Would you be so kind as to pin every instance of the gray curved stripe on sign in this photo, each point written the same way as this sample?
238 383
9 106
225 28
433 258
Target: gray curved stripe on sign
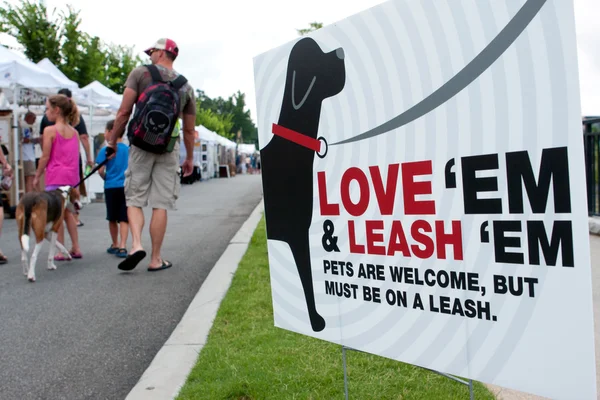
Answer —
462 79
312 83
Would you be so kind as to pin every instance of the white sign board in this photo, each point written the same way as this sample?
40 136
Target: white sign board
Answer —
424 190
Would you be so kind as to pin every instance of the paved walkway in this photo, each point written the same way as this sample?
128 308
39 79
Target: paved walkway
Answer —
89 331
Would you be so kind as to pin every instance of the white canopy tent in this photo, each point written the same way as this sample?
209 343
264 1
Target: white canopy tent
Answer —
93 95
209 146
206 134
225 151
17 73
246 148
99 95
53 70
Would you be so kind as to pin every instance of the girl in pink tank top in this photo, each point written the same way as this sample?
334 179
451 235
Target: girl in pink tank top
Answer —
63 165
60 160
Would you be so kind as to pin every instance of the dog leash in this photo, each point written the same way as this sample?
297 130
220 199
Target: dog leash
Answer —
464 77
455 85
109 152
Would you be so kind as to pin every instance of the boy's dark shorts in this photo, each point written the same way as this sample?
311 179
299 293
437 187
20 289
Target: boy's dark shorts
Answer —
116 209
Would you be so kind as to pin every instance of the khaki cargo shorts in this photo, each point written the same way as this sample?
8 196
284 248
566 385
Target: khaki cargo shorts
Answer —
152 179
29 168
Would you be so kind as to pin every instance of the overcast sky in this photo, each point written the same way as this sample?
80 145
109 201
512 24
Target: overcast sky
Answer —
218 39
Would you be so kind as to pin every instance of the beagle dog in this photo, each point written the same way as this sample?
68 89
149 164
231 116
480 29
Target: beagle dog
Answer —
43 212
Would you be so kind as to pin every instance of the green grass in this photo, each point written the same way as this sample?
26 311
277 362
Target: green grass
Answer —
246 357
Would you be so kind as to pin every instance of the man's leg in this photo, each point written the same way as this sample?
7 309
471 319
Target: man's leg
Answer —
158 227
138 180
164 192
135 215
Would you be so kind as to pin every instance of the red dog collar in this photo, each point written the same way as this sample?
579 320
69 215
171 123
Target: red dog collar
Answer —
298 138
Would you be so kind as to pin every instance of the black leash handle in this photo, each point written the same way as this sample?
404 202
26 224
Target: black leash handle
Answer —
109 152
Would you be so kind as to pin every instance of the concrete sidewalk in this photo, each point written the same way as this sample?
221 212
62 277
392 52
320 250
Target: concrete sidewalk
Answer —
170 368
88 330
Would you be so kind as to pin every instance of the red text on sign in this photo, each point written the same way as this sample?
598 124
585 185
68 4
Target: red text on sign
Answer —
420 239
384 193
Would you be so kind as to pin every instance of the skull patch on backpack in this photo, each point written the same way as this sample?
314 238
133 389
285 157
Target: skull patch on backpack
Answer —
157 122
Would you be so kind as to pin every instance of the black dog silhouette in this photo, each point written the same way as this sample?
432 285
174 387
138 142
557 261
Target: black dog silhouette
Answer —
287 167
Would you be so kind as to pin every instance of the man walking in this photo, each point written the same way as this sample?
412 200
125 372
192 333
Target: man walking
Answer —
152 174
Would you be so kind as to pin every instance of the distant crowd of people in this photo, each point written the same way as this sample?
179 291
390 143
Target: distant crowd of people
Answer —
248 164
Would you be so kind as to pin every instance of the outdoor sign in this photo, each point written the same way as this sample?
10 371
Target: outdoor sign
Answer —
424 190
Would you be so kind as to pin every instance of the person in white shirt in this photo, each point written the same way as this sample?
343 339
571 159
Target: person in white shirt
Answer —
28 147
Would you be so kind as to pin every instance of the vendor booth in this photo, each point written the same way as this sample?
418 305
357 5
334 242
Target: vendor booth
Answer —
208 152
24 86
211 151
23 83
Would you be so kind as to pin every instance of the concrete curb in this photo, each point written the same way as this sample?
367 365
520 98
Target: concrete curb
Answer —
173 363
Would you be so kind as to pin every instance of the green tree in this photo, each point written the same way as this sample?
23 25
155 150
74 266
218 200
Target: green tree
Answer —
218 105
120 61
235 108
81 57
92 66
73 44
29 24
242 119
220 124
313 26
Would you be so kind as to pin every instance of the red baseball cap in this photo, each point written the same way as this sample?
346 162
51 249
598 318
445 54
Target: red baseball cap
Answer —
164 44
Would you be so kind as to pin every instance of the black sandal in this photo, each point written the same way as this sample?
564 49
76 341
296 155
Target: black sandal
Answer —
132 260
165 265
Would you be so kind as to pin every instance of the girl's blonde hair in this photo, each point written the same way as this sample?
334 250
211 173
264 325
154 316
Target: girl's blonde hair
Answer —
67 107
